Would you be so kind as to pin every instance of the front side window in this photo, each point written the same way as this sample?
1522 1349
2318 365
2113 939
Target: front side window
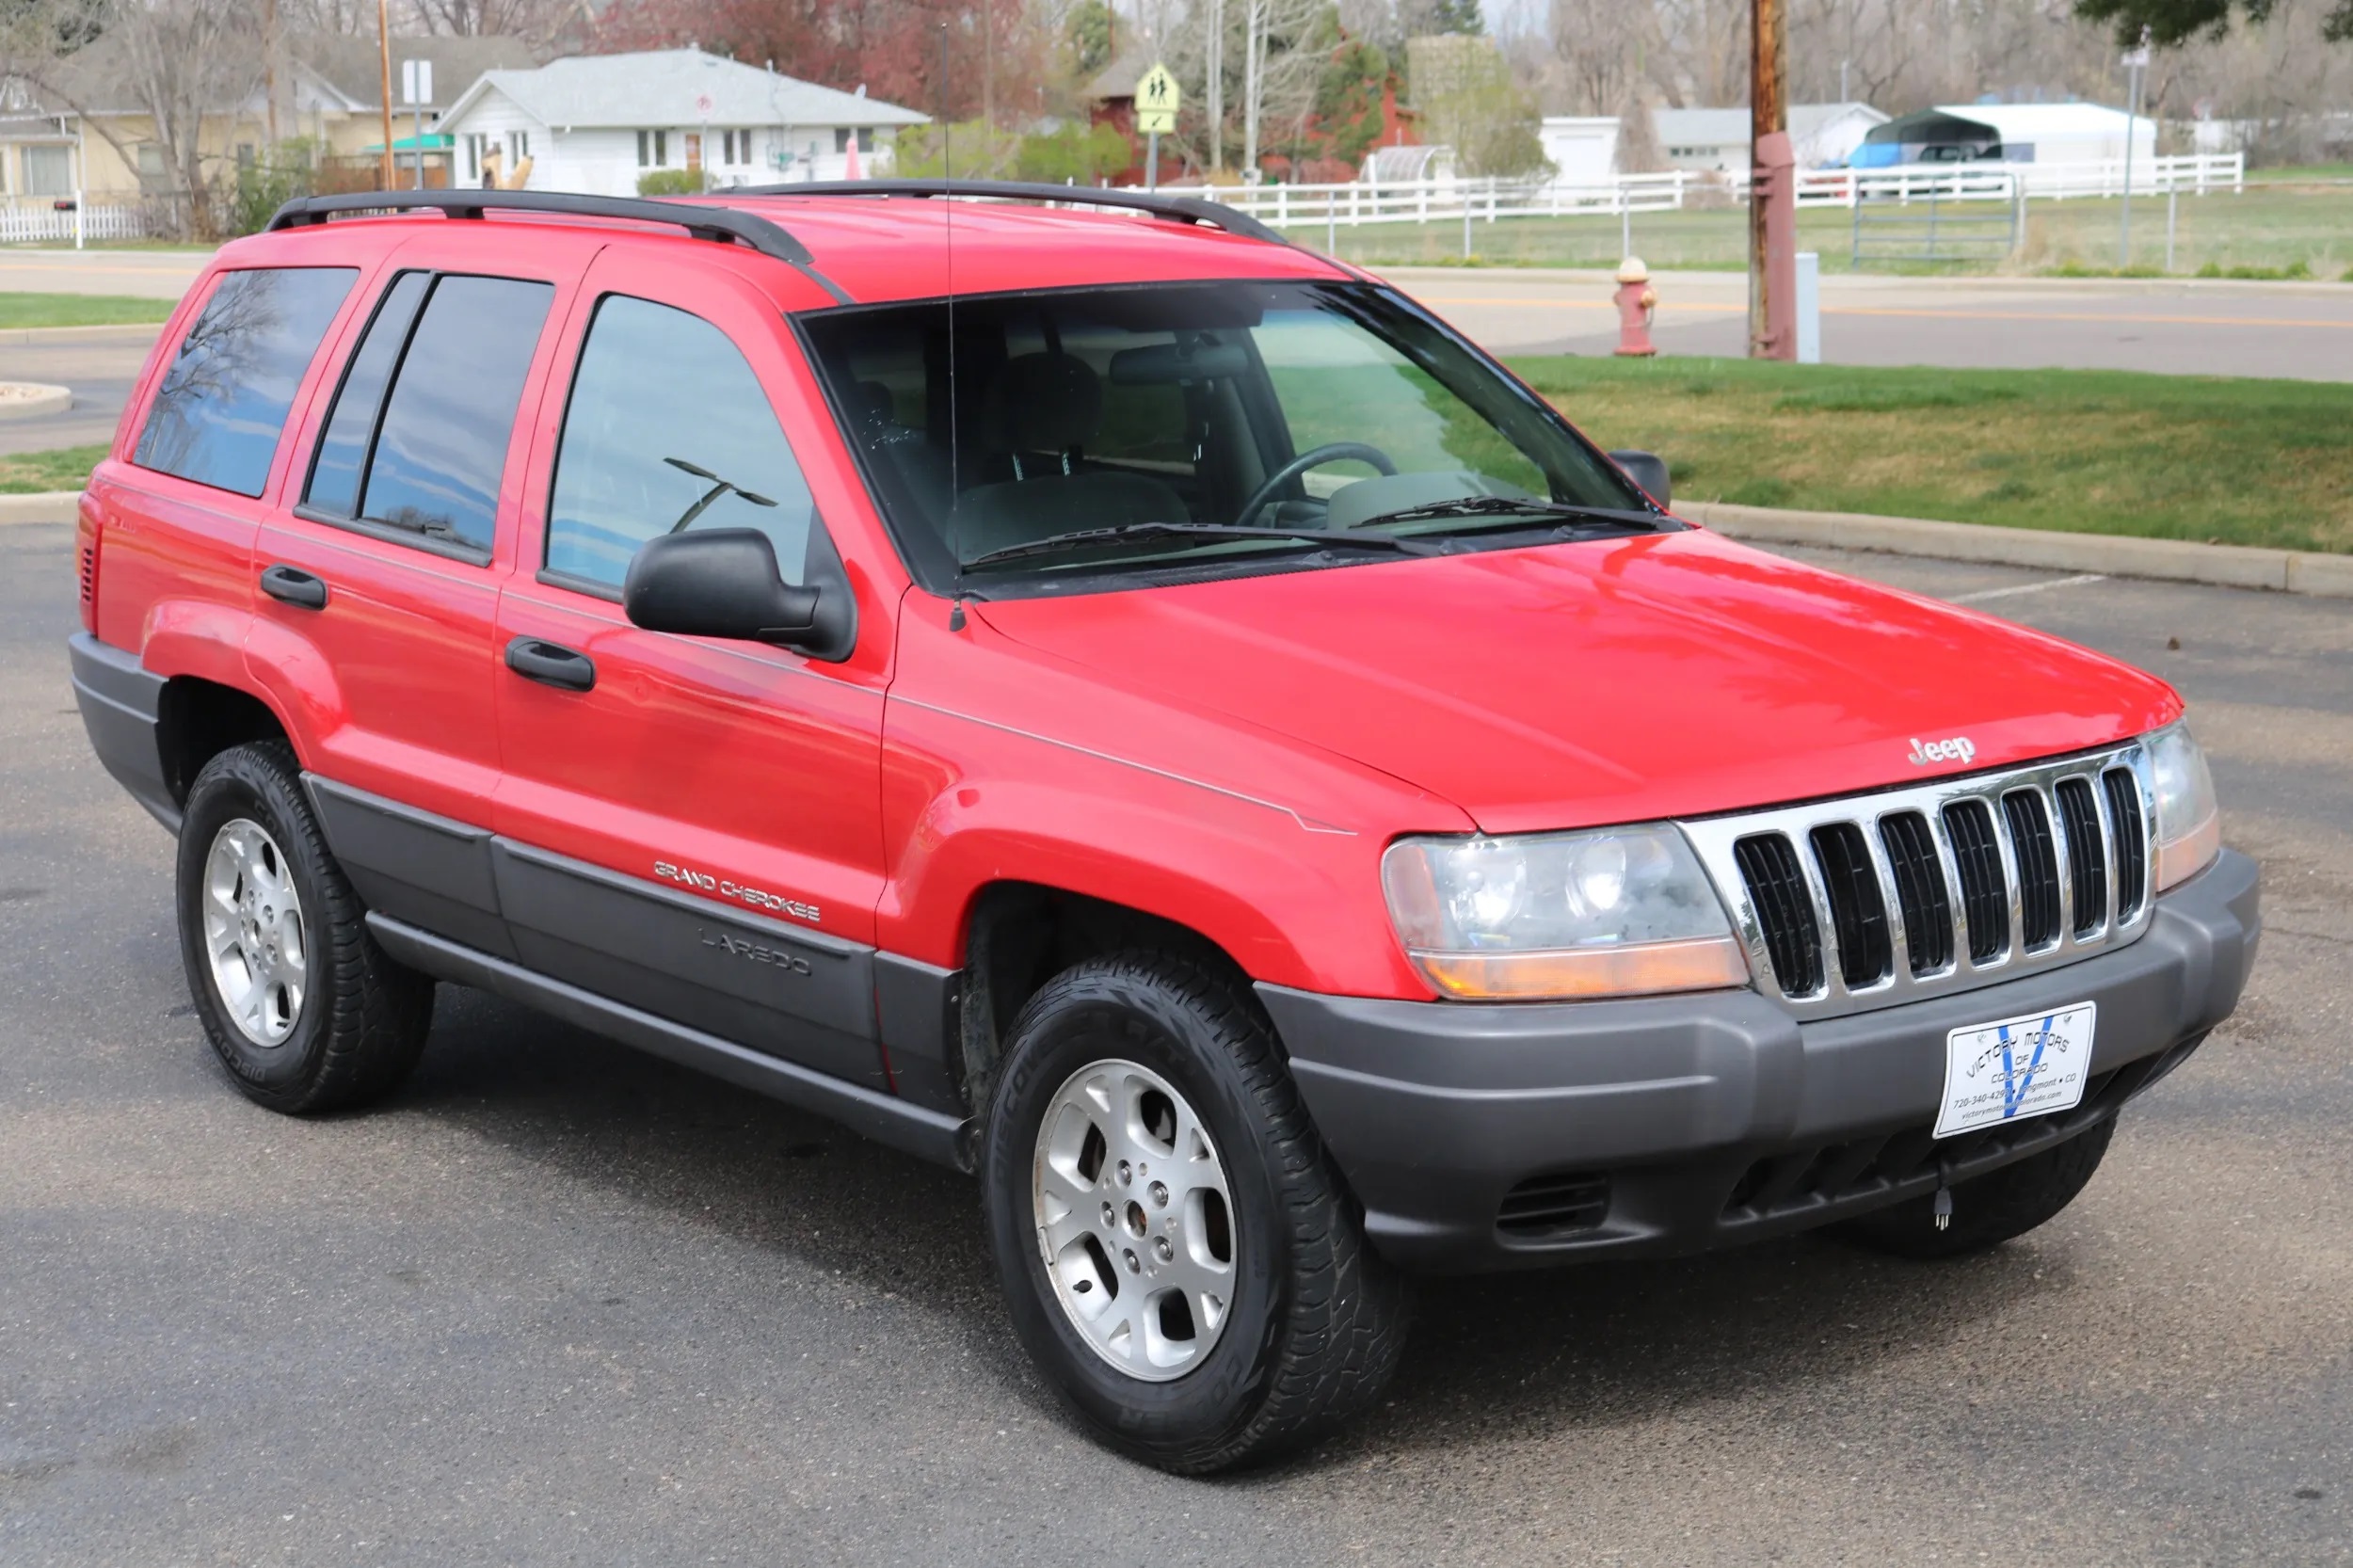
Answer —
417 442
668 429
1197 427
223 403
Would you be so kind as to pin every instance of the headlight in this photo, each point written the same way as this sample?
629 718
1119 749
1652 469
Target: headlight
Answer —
1619 911
2189 823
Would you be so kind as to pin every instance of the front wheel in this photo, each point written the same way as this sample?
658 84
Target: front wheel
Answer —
1175 1251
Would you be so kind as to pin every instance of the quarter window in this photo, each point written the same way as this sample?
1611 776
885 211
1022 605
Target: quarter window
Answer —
417 442
668 429
223 403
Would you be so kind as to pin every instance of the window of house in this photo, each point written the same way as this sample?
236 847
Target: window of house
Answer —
654 149
222 406
152 174
518 146
417 440
669 428
49 171
736 145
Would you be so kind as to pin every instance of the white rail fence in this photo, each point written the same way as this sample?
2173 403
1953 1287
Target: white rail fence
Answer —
1360 201
33 220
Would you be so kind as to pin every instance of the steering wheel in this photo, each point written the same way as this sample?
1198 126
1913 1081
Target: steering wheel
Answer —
1315 457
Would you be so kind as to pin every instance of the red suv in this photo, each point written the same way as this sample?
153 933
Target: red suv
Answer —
1113 703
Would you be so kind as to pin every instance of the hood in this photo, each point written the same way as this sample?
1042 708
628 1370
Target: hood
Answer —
1569 685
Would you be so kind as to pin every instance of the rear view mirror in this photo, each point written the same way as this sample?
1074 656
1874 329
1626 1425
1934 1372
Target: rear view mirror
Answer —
1646 468
723 583
1158 363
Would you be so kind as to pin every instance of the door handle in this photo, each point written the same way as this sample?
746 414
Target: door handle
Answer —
551 665
291 586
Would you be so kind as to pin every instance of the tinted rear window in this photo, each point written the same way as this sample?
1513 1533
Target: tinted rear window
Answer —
223 403
442 448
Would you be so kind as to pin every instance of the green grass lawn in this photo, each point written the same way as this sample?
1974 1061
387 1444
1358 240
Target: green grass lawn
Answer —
2102 452
2273 230
65 468
80 310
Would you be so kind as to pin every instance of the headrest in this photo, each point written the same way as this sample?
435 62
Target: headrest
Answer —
1051 402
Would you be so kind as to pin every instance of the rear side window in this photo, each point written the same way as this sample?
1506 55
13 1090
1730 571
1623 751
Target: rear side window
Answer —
417 440
223 403
668 429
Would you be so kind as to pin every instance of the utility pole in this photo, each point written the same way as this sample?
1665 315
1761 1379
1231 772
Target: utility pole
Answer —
384 59
2136 67
1773 190
1217 83
269 75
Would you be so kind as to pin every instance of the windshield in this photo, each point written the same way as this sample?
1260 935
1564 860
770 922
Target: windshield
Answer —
1161 423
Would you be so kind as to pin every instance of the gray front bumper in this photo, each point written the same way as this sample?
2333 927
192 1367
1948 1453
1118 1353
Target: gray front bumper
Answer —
1714 1119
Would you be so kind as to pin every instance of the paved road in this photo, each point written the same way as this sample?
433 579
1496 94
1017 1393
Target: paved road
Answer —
560 1303
2209 328
143 274
98 363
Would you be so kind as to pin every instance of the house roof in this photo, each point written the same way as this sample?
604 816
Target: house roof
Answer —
2046 122
669 86
1728 127
1119 78
350 65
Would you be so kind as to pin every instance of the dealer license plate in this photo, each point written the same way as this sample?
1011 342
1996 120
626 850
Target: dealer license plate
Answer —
2015 1069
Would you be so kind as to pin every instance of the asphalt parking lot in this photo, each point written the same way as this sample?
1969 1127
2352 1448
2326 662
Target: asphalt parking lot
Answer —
559 1302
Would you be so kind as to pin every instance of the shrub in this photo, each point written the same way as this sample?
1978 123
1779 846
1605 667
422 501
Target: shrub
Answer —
670 181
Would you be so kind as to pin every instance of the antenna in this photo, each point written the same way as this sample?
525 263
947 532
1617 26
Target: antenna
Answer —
948 232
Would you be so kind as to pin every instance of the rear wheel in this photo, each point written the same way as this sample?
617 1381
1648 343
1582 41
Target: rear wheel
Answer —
1989 1209
302 1007
1175 1251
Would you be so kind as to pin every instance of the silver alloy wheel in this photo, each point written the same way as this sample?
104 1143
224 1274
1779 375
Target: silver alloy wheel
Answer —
253 933
1134 1219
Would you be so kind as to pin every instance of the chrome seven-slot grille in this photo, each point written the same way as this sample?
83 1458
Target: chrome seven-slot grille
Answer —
1871 900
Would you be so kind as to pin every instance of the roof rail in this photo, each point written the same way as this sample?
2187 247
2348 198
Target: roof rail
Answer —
724 224
1180 209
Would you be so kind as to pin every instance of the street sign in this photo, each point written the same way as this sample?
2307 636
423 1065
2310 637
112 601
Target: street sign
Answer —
1155 103
416 82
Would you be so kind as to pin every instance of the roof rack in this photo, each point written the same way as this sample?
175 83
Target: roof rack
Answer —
1180 209
724 224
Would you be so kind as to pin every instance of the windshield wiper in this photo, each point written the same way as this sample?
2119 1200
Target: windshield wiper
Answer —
1086 538
1505 506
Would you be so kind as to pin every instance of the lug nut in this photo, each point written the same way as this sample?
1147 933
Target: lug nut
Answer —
1160 1194
1111 1216
1161 1247
1127 1174
1135 1265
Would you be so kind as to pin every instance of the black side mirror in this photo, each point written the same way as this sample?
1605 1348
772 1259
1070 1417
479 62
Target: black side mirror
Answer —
723 583
1646 468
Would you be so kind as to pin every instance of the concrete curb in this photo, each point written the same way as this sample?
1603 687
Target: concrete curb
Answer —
125 332
45 399
46 506
2294 571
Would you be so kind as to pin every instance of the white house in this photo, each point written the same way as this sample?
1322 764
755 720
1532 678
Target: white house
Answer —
594 123
2060 132
1717 140
1583 148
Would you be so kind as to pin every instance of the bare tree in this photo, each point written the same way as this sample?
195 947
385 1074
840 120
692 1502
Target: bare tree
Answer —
174 61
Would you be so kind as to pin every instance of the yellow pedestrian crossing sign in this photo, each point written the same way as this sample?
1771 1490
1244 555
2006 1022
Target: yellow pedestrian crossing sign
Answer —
1156 102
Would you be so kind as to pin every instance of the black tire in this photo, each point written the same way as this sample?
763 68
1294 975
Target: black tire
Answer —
1317 1319
363 1018
1989 1209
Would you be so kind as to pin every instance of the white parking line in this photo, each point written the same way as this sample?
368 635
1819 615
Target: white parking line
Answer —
1982 597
